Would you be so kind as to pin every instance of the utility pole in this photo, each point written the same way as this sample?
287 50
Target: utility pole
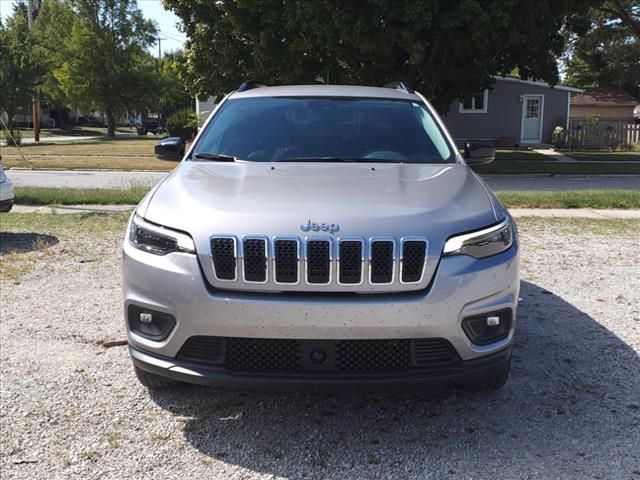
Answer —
160 46
31 5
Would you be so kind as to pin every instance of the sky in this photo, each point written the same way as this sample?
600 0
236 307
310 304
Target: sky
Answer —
172 39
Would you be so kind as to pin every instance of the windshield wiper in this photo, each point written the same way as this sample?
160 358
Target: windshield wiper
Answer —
214 156
337 159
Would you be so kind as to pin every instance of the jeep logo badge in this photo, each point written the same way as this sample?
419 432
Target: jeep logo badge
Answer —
317 227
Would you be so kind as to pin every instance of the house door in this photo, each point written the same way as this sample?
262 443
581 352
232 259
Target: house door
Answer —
532 110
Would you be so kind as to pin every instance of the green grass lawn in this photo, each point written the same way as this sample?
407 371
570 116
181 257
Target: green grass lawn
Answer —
624 199
520 156
103 196
604 156
529 162
79 196
558 168
73 131
104 153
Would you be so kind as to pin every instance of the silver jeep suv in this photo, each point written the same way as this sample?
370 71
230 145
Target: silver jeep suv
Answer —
321 235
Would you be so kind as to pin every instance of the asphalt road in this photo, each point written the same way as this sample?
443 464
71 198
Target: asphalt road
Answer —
112 179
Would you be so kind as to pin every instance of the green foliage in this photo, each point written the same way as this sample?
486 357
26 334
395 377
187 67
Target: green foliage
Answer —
183 124
52 31
609 53
591 120
446 49
558 136
20 65
97 54
170 94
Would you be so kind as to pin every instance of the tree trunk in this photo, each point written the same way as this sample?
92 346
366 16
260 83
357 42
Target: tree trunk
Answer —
11 129
111 123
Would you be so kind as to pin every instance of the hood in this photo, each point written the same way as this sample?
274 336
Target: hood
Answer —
363 199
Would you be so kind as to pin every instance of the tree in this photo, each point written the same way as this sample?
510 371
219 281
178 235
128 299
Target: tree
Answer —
20 65
169 94
105 54
627 11
52 32
609 53
444 48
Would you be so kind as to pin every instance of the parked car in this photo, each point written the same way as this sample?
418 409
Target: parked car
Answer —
322 235
6 192
147 125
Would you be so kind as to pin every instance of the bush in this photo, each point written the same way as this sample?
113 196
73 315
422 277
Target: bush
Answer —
183 124
557 138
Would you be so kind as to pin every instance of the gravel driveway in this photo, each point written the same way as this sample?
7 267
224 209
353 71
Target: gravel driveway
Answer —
71 408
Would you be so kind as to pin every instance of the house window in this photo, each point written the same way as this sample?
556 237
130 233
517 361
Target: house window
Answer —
476 104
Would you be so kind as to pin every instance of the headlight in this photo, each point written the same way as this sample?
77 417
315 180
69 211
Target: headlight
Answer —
483 243
158 240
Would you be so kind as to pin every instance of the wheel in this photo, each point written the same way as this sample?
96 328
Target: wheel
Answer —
492 383
156 382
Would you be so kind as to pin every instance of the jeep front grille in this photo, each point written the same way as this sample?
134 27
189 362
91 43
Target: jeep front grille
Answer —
346 264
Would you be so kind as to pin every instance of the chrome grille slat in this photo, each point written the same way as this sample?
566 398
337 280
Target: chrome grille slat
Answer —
382 260
350 261
286 260
223 255
254 259
378 263
413 255
318 258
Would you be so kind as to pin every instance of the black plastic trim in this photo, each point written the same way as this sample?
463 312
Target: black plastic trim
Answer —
464 372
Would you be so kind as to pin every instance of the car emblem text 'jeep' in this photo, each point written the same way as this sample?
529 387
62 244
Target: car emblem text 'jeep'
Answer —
316 227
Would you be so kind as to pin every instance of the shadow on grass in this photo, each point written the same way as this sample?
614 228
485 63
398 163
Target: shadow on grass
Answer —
569 410
23 242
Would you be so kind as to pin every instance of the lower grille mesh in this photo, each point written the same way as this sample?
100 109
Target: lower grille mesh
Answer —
253 354
373 355
259 355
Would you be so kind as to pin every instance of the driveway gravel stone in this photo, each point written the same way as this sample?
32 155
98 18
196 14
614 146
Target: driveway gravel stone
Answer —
71 408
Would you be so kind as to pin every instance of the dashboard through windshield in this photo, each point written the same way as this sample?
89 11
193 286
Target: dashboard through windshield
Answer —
340 129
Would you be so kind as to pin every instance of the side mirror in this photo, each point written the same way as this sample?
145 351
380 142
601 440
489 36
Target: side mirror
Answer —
476 151
171 148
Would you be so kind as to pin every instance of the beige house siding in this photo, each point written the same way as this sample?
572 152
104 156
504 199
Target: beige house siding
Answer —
619 111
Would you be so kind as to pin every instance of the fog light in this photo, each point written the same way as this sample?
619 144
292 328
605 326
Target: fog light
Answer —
149 323
489 327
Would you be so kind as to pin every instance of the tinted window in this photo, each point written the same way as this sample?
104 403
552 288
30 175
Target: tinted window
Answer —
293 129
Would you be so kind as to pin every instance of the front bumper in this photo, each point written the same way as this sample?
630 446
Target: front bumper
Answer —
462 373
6 205
174 284
6 196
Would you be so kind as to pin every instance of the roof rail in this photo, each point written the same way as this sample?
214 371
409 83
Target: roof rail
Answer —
400 86
250 85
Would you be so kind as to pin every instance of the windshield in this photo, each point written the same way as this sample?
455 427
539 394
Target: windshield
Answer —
281 129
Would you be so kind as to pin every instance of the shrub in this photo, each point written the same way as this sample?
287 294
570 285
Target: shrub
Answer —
557 138
183 124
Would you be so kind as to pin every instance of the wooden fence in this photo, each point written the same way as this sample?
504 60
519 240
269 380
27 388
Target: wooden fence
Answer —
614 134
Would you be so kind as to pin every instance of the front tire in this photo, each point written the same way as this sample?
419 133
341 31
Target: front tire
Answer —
156 382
